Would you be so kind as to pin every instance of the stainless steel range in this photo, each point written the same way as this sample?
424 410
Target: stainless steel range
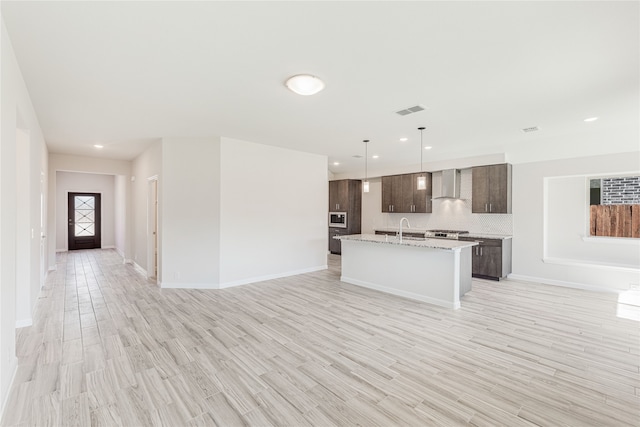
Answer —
444 234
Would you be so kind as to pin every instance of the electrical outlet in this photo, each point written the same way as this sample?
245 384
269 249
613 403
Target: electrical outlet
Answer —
634 286
176 275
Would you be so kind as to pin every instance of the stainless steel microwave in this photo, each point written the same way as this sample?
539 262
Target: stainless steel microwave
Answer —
338 219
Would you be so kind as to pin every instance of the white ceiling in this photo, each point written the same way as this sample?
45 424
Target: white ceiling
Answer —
123 74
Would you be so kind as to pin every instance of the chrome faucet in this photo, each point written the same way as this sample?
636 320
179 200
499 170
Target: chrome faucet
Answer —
408 226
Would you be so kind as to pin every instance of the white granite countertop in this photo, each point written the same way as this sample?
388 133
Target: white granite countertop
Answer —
487 236
472 234
444 244
404 230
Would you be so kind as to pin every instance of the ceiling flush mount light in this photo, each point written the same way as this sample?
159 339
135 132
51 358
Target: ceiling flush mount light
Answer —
375 156
428 147
304 84
591 119
336 163
403 139
98 146
422 180
365 184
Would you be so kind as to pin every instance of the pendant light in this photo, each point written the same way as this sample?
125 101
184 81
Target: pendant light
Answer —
365 184
422 180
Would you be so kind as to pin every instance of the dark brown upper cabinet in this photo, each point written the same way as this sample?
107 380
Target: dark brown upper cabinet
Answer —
338 195
491 189
400 193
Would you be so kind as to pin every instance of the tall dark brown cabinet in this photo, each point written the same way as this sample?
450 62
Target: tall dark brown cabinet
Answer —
345 195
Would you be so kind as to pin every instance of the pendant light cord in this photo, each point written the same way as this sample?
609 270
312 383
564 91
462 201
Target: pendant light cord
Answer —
421 129
366 157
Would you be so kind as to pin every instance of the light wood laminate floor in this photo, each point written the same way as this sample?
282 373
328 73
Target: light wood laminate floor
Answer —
109 348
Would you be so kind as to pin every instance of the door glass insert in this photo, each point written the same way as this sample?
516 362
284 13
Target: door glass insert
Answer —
84 216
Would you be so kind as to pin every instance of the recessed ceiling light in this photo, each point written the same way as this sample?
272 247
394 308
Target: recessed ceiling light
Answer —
304 84
98 146
375 156
404 139
428 148
591 119
336 163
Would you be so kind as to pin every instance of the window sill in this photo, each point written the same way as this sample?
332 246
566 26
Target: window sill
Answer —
591 264
616 240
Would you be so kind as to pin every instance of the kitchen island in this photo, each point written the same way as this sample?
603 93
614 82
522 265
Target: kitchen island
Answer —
431 270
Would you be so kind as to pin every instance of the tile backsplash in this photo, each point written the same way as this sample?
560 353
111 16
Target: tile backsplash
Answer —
453 214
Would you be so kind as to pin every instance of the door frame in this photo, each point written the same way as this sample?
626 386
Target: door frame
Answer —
98 215
43 229
153 234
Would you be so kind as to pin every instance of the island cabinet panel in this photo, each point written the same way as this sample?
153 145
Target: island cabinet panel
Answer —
491 259
400 193
491 189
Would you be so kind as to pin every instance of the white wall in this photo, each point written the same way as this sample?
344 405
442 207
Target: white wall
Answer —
23 230
550 208
91 165
273 205
120 213
146 165
73 182
190 213
16 112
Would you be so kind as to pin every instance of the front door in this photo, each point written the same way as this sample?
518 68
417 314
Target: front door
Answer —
84 221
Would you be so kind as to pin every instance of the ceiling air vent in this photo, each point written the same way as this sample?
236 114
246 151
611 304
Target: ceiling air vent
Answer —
410 110
531 129
358 156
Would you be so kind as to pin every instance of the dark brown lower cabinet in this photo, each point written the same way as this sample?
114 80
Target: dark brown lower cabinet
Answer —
334 244
491 259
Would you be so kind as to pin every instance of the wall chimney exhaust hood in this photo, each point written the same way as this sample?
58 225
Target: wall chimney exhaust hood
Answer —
449 184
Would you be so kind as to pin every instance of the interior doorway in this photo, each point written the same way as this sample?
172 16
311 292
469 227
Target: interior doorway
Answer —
152 221
43 234
84 221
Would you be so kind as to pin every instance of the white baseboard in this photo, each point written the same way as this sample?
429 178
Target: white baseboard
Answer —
271 276
553 282
127 261
23 323
13 368
62 250
54 268
121 253
405 294
140 269
178 285
592 264
107 247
